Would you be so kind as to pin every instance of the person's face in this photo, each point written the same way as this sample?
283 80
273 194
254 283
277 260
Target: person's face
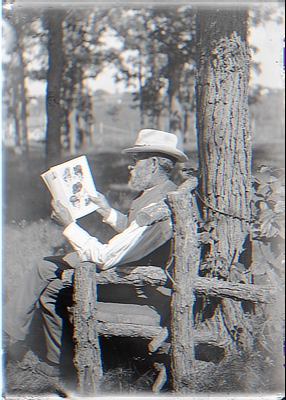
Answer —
140 173
79 175
77 204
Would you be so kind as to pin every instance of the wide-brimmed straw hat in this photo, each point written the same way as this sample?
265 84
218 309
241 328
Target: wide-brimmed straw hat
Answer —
153 141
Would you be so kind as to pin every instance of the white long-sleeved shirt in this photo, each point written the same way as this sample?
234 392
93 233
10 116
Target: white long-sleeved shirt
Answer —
107 255
132 242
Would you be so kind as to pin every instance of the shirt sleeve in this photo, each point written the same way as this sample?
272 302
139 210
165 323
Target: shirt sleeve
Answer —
117 220
153 237
112 218
107 255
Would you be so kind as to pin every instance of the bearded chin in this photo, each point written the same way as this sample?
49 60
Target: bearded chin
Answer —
138 184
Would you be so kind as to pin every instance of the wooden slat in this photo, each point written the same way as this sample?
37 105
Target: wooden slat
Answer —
127 314
128 330
152 332
203 286
236 291
127 275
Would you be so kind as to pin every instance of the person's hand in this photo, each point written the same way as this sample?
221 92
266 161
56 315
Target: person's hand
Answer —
60 214
104 207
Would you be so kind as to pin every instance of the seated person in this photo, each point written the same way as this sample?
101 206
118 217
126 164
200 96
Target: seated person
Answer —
154 154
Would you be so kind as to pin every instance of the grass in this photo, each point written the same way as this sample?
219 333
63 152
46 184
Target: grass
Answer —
22 378
32 242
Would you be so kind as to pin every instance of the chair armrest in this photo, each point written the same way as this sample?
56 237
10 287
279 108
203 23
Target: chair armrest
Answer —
154 276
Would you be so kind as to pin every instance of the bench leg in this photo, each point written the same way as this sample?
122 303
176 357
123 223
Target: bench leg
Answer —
161 378
87 358
158 340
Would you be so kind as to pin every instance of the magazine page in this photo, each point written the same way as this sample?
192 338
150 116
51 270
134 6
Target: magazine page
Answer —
71 183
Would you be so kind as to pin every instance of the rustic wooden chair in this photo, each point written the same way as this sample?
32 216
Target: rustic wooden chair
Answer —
91 318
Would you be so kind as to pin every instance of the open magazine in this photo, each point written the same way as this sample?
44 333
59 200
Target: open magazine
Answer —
71 182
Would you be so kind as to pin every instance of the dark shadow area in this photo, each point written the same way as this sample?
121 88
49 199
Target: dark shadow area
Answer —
128 366
209 353
205 307
125 352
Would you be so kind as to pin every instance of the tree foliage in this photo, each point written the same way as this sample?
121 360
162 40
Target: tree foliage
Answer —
83 60
17 68
161 46
155 53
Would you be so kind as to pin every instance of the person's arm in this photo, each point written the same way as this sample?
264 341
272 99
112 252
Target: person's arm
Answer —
107 255
89 248
134 243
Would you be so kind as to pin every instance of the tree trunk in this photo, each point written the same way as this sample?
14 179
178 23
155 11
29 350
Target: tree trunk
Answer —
140 83
224 144
23 107
175 106
72 131
73 110
16 129
53 22
15 89
17 83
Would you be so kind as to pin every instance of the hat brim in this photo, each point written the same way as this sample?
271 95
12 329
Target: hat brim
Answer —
177 154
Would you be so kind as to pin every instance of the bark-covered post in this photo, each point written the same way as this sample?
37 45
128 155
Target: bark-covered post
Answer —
87 348
224 145
186 266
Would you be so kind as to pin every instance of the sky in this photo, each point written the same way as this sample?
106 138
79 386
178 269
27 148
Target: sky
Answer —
270 41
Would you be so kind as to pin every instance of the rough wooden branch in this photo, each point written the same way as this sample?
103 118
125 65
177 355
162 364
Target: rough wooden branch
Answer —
236 291
202 286
128 330
158 340
151 332
154 276
127 314
161 378
153 213
87 358
186 266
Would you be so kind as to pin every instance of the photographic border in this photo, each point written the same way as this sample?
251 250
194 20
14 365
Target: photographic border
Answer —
78 4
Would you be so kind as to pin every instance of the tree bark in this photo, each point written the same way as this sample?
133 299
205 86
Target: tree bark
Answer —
223 126
224 141
16 77
53 22
14 102
74 99
175 106
237 291
22 105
